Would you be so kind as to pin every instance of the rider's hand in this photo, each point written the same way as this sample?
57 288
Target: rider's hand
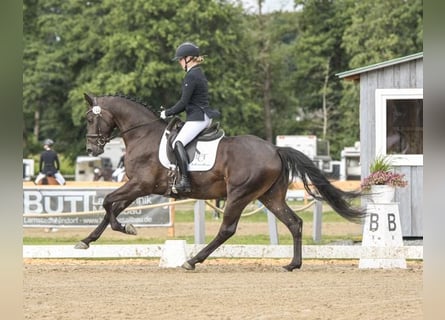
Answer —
163 116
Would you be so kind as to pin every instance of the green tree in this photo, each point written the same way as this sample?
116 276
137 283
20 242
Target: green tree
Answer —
381 30
272 36
265 70
45 77
319 56
108 46
378 31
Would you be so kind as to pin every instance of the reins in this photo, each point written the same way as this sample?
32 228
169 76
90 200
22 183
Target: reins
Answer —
138 126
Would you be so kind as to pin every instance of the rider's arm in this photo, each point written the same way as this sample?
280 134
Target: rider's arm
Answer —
41 163
57 163
188 87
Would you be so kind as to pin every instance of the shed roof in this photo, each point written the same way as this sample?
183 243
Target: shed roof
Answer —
355 73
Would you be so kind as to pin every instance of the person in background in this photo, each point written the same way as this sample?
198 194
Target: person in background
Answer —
49 165
195 102
119 174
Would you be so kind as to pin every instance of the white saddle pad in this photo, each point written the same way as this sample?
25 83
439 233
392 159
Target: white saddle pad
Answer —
204 157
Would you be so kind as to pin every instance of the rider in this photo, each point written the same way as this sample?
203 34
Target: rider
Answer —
49 164
119 173
195 101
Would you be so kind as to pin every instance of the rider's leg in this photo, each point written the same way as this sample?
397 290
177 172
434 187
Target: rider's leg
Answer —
120 176
60 179
188 132
39 177
182 160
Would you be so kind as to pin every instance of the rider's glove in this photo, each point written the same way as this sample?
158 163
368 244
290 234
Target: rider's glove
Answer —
163 116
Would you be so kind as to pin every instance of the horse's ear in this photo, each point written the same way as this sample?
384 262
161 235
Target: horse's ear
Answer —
89 99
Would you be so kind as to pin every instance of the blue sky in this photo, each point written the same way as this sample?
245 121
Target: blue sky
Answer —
269 5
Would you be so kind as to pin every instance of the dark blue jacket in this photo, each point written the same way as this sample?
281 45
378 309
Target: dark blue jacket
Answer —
49 162
194 98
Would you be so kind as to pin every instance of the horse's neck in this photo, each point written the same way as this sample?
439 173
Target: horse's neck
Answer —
147 132
131 120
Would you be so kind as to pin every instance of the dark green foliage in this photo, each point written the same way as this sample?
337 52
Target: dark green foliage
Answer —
265 71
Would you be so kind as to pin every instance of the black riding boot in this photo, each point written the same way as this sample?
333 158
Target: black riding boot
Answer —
182 159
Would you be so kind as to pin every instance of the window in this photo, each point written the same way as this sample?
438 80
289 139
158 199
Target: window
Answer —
399 125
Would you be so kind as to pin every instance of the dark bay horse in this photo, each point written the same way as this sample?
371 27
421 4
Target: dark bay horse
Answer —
246 168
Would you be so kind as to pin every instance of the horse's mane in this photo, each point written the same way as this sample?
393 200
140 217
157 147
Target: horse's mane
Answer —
131 98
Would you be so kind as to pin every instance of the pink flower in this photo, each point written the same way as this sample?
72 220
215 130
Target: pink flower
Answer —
384 178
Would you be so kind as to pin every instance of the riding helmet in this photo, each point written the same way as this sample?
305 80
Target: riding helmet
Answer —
48 142
186 49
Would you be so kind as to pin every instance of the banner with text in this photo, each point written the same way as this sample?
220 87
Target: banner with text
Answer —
47 207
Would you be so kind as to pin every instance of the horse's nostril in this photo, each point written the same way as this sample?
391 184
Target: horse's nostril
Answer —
89 151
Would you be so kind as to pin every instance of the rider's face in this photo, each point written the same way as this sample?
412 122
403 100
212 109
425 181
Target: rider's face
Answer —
182 62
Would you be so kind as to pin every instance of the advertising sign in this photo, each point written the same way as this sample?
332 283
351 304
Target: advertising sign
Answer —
55 206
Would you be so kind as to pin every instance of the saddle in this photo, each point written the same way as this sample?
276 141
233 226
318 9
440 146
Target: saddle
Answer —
48 180
201 151
214 132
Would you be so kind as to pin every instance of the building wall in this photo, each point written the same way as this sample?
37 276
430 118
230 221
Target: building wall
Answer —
404 75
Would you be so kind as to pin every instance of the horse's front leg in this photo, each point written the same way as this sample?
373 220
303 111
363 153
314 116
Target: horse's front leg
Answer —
93 236
115 208
110 218
114 203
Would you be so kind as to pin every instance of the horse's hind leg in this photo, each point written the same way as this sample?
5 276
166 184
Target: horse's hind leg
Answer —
232 214
278 206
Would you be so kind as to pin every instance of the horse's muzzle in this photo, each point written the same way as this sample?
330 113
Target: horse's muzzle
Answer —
94 150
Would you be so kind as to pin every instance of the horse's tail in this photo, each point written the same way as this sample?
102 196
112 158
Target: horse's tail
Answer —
297 165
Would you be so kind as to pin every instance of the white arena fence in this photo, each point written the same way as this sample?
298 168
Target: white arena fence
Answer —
87 201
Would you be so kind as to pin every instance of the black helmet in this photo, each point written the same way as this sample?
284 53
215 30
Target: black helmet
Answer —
48 142
186 49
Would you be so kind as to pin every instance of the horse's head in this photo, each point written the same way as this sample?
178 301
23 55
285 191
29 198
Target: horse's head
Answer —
100 125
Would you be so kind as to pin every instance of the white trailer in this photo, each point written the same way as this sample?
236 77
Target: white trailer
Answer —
113 150
350 167
316 149
305 144
28 169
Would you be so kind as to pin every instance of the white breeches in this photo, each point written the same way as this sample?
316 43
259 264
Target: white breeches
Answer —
58 176
191 129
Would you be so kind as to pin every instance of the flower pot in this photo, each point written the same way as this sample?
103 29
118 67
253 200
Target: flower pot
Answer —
382 193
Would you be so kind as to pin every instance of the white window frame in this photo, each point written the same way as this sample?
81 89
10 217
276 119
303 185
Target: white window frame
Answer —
381 97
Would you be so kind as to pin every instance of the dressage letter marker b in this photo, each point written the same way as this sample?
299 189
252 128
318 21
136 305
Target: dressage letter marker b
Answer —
382 243
374 222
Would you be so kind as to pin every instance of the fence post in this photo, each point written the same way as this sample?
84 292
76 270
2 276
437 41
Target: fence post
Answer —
316 225
172 208
199 219
273 231
272 223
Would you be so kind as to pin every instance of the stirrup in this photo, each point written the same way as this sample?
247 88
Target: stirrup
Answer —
183 185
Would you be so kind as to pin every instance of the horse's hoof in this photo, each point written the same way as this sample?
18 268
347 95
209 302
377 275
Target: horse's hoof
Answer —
81 245
290 267
187 266
130 229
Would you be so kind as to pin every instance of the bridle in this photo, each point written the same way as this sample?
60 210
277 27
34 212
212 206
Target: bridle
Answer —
101 139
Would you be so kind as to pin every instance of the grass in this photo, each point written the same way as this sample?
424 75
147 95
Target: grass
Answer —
187 216
261 239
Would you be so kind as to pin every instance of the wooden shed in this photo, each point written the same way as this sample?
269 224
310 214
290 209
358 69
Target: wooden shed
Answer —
391 122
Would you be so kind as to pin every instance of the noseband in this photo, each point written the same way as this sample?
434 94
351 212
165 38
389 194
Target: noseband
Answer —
101 139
